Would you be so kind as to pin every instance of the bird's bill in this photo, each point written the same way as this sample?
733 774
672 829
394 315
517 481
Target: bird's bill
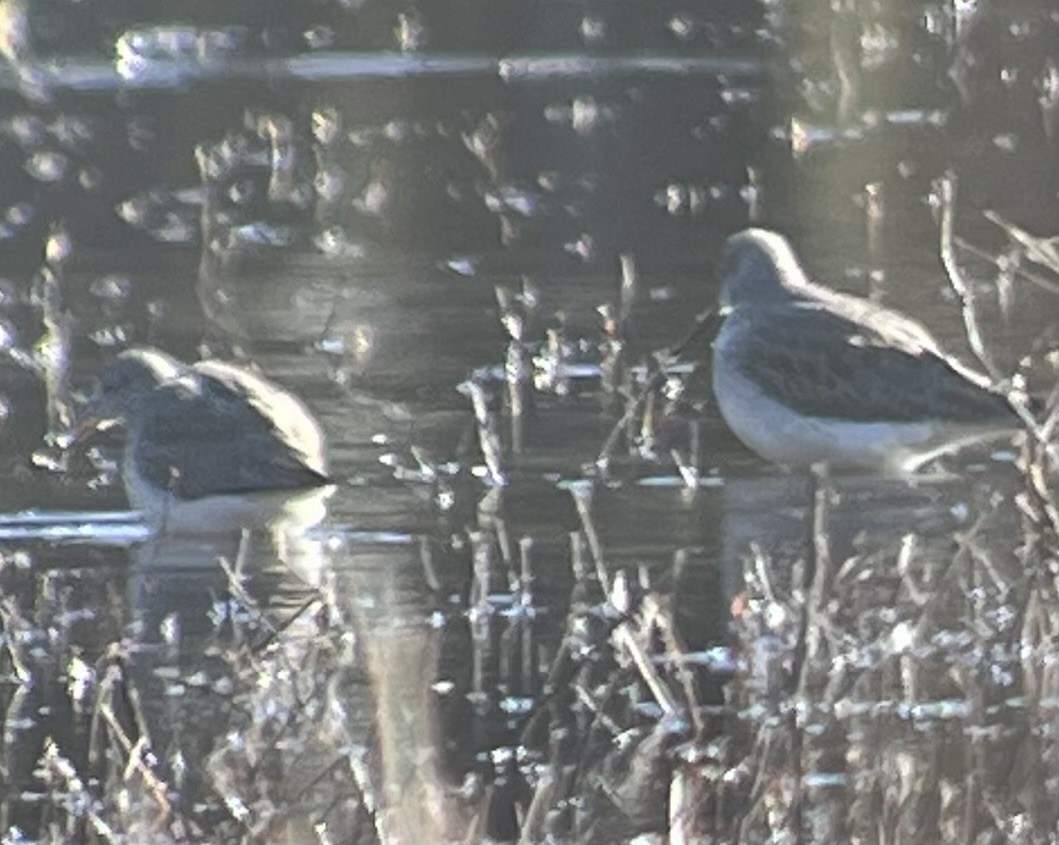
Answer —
86 430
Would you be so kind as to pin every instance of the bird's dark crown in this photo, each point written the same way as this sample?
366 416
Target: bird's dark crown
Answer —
758 266
130 378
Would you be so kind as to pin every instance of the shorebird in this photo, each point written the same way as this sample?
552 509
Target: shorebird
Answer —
208 442
805 375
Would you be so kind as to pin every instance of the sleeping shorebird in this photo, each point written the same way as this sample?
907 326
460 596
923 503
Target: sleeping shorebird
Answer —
209 444
805 375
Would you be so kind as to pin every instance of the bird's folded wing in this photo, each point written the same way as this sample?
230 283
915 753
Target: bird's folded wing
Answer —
823 364
223 442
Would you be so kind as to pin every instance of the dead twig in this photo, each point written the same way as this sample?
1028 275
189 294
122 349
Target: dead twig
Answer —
704 322
946 194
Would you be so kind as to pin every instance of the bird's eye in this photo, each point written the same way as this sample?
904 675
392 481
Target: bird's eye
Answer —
114 381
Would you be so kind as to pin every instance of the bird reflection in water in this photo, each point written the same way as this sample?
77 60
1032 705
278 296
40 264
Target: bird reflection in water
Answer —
229 667
297 685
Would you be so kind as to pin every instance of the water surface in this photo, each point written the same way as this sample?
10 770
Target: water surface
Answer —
399 213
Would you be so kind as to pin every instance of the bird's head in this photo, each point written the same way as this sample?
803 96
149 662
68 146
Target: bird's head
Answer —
758 267
124 386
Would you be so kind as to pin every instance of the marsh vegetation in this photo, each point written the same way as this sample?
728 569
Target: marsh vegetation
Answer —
554 599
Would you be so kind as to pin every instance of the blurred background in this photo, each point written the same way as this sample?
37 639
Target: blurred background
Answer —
469 234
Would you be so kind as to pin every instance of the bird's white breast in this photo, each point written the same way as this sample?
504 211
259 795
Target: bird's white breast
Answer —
289 509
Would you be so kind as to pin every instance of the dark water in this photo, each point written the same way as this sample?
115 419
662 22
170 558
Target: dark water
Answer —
389 208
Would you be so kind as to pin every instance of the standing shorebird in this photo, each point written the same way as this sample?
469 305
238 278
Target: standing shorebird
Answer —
208 444
805 375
